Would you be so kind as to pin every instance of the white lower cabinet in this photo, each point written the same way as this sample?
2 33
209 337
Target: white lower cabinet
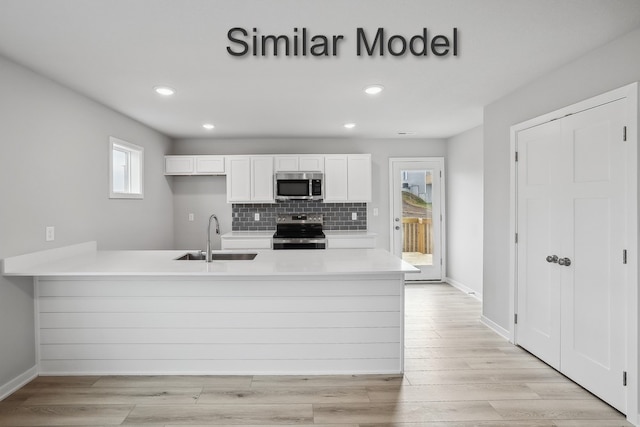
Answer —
348 241
245 243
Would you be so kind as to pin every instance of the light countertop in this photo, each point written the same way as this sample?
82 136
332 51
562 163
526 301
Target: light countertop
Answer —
85 260
336 234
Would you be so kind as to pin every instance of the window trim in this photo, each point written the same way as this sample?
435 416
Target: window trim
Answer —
136 169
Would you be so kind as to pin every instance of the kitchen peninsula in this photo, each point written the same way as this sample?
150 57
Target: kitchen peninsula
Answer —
285 312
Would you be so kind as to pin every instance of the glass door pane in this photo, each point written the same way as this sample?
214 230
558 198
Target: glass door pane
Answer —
417 216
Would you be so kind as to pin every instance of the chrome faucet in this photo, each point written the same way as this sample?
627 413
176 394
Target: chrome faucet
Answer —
208 252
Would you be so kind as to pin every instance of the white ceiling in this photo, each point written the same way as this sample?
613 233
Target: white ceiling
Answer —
116 51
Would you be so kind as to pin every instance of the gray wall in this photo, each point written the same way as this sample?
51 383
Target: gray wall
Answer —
603 69
465 209
54 172
203 195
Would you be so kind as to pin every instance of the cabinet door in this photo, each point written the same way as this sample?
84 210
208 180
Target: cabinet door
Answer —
262 179
359 177
311 163
178 165
209 165
238 179
335 178
286 163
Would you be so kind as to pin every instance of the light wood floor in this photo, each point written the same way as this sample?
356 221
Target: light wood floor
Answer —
458 374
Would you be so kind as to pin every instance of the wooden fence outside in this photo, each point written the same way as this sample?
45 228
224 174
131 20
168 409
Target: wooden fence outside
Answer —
417 235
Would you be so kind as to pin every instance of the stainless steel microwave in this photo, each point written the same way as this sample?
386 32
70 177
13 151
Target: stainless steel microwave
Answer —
299 185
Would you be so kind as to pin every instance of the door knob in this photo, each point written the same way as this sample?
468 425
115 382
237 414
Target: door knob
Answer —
397 227
397 219
552 258
564 261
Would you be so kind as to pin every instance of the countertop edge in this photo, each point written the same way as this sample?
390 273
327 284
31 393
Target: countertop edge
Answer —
83 260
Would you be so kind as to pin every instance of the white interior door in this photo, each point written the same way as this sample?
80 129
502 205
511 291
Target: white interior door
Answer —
538 237
571 236
593 345
416 214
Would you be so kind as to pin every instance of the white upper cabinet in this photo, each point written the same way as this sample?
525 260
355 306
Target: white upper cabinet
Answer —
335 178
262 179
250 179
347 178
209 165
311 163
238 178
359 177
194 165
286 163
178 165
293 162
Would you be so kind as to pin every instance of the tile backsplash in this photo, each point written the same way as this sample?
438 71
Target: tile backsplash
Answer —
337 216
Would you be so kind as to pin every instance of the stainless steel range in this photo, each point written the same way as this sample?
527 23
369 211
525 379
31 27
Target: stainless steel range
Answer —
299 231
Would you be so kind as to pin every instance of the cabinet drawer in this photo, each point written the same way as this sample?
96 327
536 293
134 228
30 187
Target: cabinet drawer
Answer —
368 242
246 243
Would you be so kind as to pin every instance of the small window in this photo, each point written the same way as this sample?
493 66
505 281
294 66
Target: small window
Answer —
126 170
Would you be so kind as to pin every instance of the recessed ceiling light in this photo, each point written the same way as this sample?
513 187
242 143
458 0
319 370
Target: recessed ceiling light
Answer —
208 126
373 89
164 90
349 125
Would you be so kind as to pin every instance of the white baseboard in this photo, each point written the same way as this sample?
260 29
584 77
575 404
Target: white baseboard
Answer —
17 382
467 290
496 328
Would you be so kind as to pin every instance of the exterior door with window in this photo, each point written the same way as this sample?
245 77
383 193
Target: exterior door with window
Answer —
416 214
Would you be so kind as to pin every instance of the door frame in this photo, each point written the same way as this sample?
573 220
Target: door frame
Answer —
443 221
630 92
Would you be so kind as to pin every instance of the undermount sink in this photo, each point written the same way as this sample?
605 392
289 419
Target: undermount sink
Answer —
228 256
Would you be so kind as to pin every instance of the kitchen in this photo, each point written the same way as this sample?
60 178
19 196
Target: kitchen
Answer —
54 168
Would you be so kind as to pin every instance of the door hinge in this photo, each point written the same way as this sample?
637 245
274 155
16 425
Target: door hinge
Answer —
516 237
515 318
624 256
440 174
624 133
624 378
516 156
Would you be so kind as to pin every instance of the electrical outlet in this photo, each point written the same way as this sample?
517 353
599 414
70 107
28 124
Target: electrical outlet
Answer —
191 217
256 216
354 216
50 234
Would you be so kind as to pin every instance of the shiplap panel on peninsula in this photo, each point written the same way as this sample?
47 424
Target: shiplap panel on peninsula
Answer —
276 325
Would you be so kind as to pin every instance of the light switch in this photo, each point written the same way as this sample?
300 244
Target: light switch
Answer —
50 234
191 217
375 211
